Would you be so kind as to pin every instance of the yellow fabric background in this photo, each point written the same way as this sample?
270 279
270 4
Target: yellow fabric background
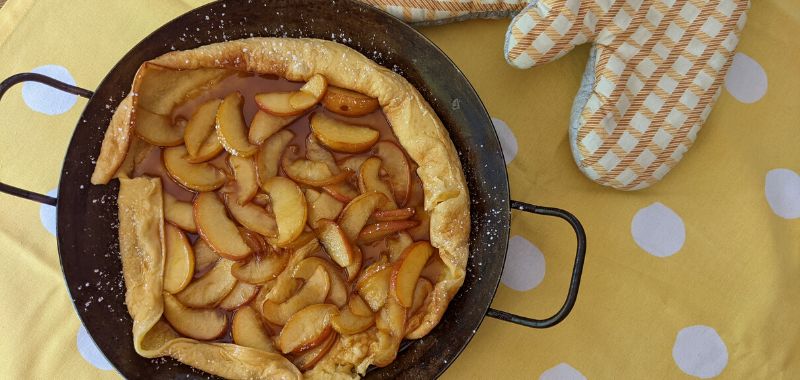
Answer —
737 271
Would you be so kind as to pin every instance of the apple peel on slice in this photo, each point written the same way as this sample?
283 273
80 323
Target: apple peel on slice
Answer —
268 158
338 289
342 137
307 328
407 270
307 172
314 291
196 177
245 184
253 217
355 215
178 259
341 191
209 290
261 267
377 231
369 180
217 229
289 207
310 357
204 256
373 286
396 165
248 330
348 103
194 323
335 242
231 129
201 140
290 103
321 206
241 294
349 323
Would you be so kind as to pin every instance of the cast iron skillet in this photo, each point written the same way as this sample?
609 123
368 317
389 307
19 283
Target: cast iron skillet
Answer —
87 215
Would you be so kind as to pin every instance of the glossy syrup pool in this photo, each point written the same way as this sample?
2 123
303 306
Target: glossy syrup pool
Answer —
249 85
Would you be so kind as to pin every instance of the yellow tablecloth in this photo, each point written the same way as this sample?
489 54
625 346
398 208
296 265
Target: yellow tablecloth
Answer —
696 276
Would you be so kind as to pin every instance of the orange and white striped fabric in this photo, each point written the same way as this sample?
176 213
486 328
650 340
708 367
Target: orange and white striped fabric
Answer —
439 11
656 69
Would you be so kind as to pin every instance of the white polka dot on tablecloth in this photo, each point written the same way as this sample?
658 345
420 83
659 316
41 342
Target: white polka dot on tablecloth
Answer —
699 351
89 351
562 371
45 99
746 79
658 230
508 142
525 266
782 189
47 214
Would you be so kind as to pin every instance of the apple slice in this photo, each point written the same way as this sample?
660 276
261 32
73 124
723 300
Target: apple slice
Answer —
316 152
373 286
397 167
352 163
334 241
178 259
157 129
307 172
369 180
390 321
304 238
293 102
358 307
355 264
231 128
374 232
253 217
397 244
261 267
248 330
348 103
321 206
307 328
338 290
195 177
204 256
209 290
357 212
341 191
245 185
241 294
407 270
419 308
309 358
269 155
217 229
349 323
286 285
289 207
199 134
313 292
179 213
393 215
342 137
265 125
194 323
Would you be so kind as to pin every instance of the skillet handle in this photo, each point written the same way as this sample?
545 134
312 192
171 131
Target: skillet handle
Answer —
33 77
577 269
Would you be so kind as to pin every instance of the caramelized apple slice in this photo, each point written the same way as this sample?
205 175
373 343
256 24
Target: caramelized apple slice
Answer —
218 231
355 264
241 294
338 290
179 213
248 330
265 125
307 172
422 293
334 241
341 191
246 184
380 230
200 129
309 358
407 270
204 256
261 267
348 103
307 328
358 307
209 290
321 206
293 102
397 244
196 177
231 129
393 215
253 217
304 238
369 180
373 286
316 152
286 285
178 259
157 129
390 321
348 323
289 207
397 167
342 137
269 155
313 292
357 212
193 323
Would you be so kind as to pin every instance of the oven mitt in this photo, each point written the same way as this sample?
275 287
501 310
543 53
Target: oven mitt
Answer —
655 69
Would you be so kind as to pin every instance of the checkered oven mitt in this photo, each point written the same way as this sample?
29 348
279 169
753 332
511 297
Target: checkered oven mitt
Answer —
656 68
